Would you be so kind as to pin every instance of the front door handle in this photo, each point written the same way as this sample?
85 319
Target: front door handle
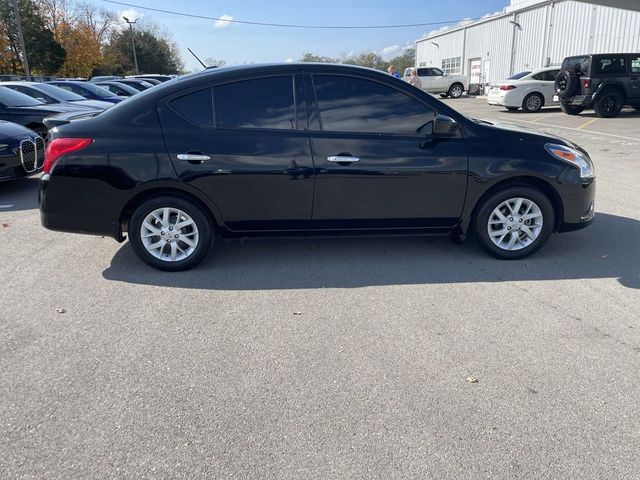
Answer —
193 157
342 159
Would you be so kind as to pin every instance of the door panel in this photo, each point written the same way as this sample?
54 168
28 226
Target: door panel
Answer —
401 179
260 171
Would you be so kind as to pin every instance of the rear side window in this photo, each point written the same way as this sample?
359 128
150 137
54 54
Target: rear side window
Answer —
196 107
259 103
548 76
350 104
579 64
635 65
436 72
610 66
519 75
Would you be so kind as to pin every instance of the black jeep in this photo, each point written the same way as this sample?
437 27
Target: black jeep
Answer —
604 82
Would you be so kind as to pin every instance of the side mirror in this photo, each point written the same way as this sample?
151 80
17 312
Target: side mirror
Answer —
444 127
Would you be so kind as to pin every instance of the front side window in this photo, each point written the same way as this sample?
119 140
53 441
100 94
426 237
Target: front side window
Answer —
436 72
258 103
350 104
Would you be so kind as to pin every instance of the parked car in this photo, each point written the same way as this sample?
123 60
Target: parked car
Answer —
27 111
21 151
88 90
50 94
604 82
434 80
332 148
118 88
160 78
529 90
104 78
139 85
150 80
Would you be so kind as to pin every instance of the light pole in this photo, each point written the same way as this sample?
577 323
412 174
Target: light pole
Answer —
25 61
133 43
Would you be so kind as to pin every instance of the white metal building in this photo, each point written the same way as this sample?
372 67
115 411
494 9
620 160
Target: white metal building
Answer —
530 34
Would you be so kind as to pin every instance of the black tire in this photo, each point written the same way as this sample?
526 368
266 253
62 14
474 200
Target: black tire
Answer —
567 83
609 103
201 220
485 210
513 109
570 109
456 90
533 103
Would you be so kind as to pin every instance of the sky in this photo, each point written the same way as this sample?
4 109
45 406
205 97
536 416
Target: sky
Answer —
236 43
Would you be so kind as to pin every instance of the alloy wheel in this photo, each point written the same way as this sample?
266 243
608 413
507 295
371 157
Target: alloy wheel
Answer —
515 224
533 103
169 234
456 91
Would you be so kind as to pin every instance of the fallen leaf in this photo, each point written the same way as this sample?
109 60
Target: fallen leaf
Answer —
297 313
5 225
60 310
472 380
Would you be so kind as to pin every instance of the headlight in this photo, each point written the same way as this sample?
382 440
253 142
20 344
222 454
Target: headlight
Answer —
574 157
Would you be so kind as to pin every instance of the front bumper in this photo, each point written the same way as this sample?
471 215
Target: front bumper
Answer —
578 202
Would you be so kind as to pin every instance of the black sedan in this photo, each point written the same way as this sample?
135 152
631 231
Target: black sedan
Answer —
20 108
21 151
308 148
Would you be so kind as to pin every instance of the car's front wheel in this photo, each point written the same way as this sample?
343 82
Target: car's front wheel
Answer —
456 90
170 233
514 223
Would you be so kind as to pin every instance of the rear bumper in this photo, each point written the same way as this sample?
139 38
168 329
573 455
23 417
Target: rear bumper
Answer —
581 100
70 210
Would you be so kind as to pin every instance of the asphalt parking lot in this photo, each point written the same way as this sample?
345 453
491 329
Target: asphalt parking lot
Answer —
330 358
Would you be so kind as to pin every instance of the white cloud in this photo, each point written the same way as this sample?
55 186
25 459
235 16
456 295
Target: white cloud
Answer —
289 60
131 14
390 51
223 21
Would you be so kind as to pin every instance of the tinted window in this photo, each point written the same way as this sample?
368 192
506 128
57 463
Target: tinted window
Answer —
259 103
610 65
16 99
32 93
548 76
579 64
518 76
60 93
635 65
349 104
436 72
423 72
195 107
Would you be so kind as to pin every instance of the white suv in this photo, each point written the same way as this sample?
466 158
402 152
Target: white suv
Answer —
434 80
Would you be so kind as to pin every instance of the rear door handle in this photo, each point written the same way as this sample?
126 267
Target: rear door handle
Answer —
342 158
193 157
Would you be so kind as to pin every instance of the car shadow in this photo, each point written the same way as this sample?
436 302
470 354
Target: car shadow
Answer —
19 194
607 249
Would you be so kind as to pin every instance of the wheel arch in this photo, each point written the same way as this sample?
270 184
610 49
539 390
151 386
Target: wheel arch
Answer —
143 196
528 181
609 85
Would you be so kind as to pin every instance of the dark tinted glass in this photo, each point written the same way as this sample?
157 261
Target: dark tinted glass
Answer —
260 103
436 72
195 107
349 104
611 65
635 64
548 76
518 76
579 64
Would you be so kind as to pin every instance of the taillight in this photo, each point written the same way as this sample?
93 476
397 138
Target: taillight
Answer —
61 146
507 87
586 83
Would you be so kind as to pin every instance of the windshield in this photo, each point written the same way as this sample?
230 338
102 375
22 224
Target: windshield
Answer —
60 93
103 92
518 76
11 98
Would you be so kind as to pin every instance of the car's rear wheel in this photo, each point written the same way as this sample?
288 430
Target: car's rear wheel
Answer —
512 109
170 233
456 90
514 223
570 109
533 103
609 103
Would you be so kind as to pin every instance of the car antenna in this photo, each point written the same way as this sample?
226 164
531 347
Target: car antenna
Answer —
201 62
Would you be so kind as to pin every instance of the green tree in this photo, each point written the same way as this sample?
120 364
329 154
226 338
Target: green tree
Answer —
45 55
155 51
